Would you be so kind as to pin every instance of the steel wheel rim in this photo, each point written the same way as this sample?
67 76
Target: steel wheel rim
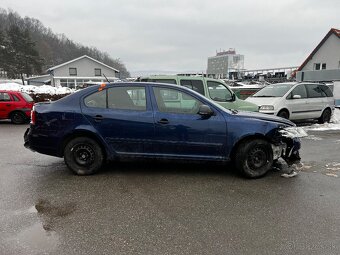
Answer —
83 154
257 158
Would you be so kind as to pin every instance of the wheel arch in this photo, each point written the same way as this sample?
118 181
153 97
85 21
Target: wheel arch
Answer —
245 139
15 111
83 133
284 110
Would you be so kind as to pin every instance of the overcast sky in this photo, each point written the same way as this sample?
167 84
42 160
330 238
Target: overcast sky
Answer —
179 35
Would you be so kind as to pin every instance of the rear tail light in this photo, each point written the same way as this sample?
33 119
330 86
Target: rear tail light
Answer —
33 116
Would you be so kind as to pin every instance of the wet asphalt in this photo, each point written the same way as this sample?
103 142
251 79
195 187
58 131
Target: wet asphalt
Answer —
167 208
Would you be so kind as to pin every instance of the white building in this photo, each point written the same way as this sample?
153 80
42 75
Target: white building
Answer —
225 65
323 64
76 72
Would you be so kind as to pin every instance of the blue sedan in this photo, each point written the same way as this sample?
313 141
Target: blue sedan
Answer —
150 120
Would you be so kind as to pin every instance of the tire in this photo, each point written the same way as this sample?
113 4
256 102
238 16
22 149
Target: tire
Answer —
18 118
83 156
283 114
254 158
325 116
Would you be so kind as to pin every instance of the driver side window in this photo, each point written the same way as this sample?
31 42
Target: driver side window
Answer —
218 92
183 103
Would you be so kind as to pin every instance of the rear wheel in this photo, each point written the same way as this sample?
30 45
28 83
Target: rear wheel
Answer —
18 118
283 114
326 116
254 158
83 156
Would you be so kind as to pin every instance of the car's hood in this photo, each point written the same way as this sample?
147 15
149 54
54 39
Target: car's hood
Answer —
263 100
262 116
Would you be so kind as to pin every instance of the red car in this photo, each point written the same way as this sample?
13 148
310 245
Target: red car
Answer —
16 106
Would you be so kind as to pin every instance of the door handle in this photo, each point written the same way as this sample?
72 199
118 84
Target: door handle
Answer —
98 118
163 121
8 104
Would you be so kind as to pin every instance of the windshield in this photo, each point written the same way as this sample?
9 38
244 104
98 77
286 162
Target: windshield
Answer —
27 97
276 90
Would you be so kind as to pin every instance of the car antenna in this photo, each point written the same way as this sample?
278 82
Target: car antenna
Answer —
106 78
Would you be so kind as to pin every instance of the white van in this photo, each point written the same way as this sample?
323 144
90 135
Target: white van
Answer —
296 101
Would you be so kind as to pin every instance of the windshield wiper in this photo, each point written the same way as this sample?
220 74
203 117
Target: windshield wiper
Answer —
264 96
233 111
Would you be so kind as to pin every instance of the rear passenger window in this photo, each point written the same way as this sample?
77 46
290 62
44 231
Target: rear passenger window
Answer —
326 90
195 85
314 91
16 98
96 100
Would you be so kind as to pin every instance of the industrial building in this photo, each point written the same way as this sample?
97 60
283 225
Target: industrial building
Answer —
225 65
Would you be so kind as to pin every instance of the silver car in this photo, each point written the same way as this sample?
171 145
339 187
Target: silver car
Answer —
296 101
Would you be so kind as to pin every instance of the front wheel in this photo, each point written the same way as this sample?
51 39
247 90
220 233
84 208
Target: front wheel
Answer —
254 158
83 156
283 114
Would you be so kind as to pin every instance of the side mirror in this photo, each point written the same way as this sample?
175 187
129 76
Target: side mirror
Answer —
233 97
205 111
296 97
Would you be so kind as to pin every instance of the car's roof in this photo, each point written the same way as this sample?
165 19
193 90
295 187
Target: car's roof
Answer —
183 77
11 91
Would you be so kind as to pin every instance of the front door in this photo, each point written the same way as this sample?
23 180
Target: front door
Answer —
182 133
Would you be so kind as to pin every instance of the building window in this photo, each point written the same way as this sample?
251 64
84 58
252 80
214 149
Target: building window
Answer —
97 72
323 66
317 66
73 71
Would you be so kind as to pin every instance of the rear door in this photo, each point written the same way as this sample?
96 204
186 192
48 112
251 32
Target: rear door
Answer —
315 100
123 116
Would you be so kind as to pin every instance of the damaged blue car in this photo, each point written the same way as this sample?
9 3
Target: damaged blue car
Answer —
157 121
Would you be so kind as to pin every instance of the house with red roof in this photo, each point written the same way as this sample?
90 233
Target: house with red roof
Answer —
323 63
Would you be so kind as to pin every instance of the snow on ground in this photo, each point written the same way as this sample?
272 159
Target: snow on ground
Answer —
44 89
333 125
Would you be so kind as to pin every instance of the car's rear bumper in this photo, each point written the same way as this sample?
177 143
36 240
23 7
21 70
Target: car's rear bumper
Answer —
41 144
27 140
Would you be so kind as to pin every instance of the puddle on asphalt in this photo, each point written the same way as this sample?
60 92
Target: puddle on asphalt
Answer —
36 239
41 237
46 208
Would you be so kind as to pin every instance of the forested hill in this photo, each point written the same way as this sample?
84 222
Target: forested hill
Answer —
54 48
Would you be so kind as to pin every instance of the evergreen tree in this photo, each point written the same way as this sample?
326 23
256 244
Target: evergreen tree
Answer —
22 57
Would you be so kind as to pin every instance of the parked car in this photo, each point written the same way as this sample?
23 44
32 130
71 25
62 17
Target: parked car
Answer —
296 101
15 106
213 89
162 121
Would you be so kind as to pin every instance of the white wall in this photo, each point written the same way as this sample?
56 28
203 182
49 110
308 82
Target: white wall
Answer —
328 53
85 68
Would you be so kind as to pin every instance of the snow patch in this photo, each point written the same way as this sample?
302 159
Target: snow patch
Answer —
44 89
333 125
